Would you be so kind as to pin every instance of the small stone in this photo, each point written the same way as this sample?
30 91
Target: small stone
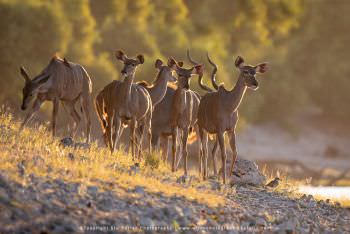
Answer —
178 211
187 211
182 179
3 182
21 168
81 145
146 222
67 142
4 197
139 190
92 190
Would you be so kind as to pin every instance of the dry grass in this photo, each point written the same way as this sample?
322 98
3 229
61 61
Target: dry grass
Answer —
88 166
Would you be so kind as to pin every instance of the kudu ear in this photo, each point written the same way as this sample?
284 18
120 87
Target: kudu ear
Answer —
158 64
239 61
198 69
172 63
24 74
261 67
140 58
120 55
44 79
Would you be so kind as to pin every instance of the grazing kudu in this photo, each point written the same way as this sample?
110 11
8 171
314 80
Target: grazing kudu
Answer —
218 113
59 81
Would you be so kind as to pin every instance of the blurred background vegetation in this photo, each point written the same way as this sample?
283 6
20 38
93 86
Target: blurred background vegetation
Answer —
305 43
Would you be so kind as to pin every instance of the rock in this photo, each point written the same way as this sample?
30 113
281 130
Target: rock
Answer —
215 185
291 225
67 142
146 222
139 190
92 190
81 145
182 179
178 211
21 168
187 211
4 197
246 172
4 182
106 204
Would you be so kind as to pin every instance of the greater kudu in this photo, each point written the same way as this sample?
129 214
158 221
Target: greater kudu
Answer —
125 103
178 110
156 91
218 112
59 81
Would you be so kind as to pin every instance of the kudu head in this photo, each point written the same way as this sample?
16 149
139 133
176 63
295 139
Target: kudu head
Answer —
248 72
130 64
166 72
184 74
31 87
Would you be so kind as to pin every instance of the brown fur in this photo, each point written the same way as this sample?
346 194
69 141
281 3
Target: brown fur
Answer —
58 82
218 113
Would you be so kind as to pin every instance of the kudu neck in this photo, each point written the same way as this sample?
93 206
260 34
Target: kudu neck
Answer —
236 94
127 83
158 90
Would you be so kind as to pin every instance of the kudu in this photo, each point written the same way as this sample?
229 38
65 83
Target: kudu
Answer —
59 81
156 91
125 103
218 113
177 111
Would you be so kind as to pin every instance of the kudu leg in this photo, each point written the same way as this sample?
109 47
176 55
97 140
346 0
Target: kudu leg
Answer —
139 136
133 142
232 137
54 115
204 142
87 109
147 128
213 155
75 116
174 138
199 151
149 139
221 140
184 149
116 134
103 121
32 111
164 142
109 132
